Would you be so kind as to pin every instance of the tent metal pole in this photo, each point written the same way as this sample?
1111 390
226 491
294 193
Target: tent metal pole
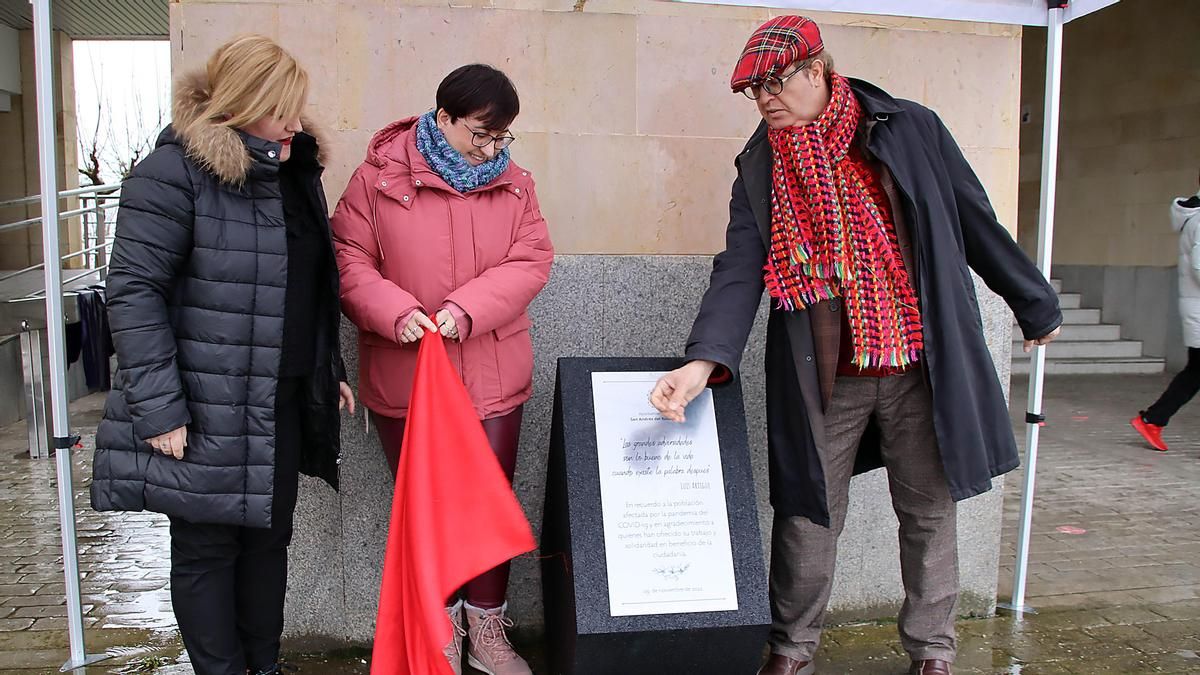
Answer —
55 329
1034 417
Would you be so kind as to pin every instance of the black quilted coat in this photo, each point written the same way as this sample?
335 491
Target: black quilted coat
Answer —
195 299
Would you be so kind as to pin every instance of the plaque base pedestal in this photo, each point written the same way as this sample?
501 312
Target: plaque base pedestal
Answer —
583 637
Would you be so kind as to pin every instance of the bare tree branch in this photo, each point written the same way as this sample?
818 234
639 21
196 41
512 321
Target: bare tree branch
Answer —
123 135
90 145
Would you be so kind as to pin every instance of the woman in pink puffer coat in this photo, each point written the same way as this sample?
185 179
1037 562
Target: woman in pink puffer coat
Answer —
439 230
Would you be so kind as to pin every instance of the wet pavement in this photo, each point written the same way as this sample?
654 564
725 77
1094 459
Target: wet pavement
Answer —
1115 573
123 559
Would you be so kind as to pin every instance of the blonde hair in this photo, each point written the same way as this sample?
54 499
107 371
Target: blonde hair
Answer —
251 78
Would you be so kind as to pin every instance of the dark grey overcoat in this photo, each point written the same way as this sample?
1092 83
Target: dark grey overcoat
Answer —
954 231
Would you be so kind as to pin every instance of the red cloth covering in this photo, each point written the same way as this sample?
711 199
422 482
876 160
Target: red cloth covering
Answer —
454 516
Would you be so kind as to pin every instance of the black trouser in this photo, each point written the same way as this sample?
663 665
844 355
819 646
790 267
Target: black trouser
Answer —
1178 393
228 582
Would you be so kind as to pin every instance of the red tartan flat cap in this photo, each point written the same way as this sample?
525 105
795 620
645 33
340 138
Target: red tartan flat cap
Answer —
776 44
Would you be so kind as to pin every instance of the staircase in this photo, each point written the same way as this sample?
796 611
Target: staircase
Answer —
1086 346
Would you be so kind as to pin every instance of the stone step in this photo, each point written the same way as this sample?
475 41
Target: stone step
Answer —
1129 366
1086 346
1090 333
1081 316
1076 349
1078 317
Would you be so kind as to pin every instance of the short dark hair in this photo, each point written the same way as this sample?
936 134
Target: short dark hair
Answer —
481 91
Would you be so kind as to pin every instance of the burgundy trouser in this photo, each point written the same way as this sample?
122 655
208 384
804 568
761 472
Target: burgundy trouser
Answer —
487 590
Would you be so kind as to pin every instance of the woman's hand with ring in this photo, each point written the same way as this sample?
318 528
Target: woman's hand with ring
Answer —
447 324
171 443
415 328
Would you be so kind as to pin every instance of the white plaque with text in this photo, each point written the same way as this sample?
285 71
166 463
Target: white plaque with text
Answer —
662 493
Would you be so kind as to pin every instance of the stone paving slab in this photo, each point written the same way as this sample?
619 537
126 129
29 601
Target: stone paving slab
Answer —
1114 574
123 558
1114 522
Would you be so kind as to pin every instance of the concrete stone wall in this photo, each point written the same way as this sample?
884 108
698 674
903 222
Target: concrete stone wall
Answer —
1130 137
1130 142
629 125
13 246
627 120
19 169
20 177
635 306
1142 299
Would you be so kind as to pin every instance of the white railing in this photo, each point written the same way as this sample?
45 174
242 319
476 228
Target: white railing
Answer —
25 313
97 201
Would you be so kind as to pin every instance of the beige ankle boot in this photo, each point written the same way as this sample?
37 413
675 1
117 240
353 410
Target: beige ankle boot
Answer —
490 651
453 650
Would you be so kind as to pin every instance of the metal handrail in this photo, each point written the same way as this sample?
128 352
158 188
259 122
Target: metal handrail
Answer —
65 215
41 293
14 275
81 251
103 198
33 199
20 223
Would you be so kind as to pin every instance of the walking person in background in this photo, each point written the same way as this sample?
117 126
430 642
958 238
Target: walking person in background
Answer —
223 301
1185 220
438 231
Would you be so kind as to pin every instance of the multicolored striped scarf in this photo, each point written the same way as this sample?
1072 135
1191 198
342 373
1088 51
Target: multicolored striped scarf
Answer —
830 238
449 163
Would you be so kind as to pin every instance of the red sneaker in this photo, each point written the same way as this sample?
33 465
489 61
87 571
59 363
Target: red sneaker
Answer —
1151 432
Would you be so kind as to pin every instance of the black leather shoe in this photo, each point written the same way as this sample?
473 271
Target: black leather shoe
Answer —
930 667
277 669
779 664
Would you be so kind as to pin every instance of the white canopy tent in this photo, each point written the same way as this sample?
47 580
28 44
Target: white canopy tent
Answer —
1018 12
1052 14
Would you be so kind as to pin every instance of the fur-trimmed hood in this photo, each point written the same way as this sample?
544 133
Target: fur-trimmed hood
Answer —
229 154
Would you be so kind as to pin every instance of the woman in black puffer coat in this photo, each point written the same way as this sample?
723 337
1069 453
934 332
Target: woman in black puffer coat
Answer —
223 301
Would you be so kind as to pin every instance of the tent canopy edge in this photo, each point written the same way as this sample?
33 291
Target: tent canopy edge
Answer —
1016 12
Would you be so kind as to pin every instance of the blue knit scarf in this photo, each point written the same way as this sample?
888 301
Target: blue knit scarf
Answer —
449 163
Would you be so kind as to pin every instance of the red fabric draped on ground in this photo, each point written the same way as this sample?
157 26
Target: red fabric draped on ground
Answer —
454 516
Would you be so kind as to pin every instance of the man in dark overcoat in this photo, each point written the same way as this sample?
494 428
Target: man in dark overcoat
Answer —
859 215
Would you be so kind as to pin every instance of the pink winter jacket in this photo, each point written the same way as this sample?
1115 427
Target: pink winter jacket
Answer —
406 240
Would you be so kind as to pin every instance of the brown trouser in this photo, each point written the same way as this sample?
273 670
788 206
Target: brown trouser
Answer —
803 554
